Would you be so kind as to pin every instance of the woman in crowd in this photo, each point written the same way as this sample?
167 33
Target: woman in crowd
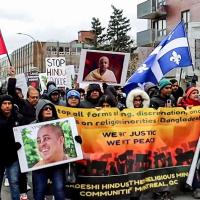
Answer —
106 102
137 98
45 111
190 99
73 98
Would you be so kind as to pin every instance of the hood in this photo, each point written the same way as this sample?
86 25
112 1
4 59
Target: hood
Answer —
40 106
92 87
51 89
110 90
136 92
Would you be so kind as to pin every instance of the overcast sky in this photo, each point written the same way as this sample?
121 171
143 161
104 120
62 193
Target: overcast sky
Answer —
59 20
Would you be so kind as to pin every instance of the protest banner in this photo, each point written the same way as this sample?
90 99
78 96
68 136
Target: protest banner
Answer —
103 66
132 151
47 144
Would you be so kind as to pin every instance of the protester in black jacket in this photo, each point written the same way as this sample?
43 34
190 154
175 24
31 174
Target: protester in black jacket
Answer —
177 91
53 94
26 107
9 118
92 97
164 98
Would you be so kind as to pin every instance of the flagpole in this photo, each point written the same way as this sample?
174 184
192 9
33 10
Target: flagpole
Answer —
9 59
180 76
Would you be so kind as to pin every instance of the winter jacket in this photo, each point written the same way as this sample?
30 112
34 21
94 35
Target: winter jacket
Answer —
25 108
158 101
185 102
134 93
88 101
52 89
41 104
8 147
179 93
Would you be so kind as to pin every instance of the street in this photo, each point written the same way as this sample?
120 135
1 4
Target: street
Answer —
148 196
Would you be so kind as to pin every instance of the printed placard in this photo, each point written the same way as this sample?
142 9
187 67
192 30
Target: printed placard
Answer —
103 66
47 144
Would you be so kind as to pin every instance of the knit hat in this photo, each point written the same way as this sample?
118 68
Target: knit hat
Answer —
73 93
6 97
190 90
163 83
148 86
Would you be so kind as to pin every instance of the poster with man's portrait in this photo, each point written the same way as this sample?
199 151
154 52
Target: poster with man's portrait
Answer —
47 144
103 67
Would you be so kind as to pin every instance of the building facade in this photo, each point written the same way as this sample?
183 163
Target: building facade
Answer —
4 64
86 36
32 55
163 16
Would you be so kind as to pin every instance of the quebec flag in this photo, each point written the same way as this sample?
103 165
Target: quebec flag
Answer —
172 52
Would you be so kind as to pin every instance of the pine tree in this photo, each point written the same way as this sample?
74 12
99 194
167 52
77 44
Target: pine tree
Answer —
117 30
98 31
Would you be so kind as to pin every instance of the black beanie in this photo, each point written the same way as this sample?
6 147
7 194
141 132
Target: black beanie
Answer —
6 97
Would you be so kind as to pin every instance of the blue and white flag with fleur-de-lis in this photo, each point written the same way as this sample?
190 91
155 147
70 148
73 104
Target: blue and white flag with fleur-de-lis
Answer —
172 52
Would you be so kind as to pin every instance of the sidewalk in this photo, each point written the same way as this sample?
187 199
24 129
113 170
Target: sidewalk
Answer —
148 196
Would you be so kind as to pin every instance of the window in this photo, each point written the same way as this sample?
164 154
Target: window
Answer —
61 49
160 27
49 49
161 3
185 15
78 49
54 49
66 49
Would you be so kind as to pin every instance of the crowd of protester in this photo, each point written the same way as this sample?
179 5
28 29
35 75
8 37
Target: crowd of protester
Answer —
16 111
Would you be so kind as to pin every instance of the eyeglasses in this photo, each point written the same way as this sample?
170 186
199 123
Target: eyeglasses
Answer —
47 108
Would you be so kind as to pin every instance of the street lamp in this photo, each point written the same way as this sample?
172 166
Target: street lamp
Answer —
28 36
37 49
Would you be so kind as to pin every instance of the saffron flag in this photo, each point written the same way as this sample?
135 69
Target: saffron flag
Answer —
172 52
3 49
